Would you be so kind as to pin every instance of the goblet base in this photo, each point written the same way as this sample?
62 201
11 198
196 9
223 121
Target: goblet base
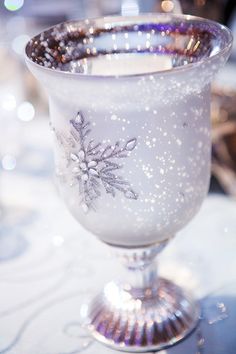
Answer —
142 320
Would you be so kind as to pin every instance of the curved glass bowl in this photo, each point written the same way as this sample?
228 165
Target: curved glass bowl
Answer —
130 110
140 86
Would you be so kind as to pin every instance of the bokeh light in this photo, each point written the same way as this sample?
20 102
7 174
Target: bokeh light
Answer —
26 111
13 5
8 162
167 5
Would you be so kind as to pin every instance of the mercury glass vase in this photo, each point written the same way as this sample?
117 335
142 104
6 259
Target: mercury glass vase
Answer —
130 111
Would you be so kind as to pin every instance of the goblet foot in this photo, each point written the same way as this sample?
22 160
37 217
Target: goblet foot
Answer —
135 320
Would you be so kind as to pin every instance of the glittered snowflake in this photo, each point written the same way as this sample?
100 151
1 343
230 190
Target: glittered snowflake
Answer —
92 166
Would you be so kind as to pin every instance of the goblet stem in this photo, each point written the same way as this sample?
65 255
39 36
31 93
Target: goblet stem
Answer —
140 264
143 312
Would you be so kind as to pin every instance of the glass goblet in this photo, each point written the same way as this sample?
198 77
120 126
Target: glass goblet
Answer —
130 109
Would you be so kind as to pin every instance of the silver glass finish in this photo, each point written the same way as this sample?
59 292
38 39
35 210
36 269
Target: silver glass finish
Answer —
130 113
142 312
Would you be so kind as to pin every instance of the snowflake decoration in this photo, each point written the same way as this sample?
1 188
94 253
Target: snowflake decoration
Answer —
92 166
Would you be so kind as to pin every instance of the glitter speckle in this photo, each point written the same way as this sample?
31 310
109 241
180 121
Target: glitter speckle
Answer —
200 144
179 142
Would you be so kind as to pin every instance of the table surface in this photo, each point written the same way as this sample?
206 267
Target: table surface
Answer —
50 266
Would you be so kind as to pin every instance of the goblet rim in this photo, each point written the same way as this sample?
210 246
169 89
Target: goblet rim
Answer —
117 19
